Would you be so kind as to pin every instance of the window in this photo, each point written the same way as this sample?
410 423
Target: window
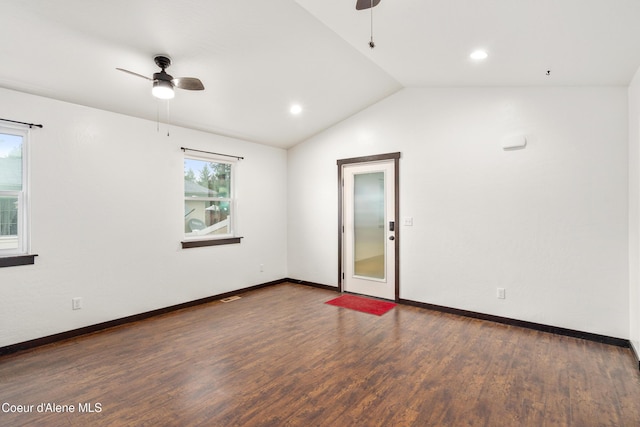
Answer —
13 192
209 205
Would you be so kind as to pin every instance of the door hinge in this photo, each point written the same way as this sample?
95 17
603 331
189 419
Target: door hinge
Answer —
343 276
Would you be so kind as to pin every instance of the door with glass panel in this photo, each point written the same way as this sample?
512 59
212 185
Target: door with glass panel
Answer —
369 224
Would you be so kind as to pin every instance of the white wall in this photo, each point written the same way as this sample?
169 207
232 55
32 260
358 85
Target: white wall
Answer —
107 203
634 211
548 223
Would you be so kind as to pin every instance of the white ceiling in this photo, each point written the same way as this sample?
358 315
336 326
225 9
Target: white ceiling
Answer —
257 57
428 42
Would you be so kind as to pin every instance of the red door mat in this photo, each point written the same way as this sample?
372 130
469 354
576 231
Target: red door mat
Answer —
365 305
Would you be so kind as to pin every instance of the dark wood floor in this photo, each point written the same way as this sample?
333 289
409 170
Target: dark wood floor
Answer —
280 357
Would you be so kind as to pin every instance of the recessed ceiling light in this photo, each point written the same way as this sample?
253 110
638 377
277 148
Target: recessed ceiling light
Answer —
295 109
478 55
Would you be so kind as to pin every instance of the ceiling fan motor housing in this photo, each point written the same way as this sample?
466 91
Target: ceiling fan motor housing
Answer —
163 62
162 76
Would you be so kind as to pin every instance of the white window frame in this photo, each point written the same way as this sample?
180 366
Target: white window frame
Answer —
194 240
22 195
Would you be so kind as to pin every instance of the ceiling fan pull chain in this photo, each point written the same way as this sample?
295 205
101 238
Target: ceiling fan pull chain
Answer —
371 43
168 119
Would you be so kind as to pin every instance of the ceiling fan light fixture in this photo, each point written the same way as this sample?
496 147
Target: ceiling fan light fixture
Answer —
163 89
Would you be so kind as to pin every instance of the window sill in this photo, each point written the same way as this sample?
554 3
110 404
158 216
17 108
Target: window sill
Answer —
14 261
212 242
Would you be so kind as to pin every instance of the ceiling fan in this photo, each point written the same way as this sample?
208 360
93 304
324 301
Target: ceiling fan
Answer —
163 83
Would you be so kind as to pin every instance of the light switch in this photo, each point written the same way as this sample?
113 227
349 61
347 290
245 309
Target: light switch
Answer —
407 221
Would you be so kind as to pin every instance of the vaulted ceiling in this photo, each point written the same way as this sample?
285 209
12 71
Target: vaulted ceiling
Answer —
256 58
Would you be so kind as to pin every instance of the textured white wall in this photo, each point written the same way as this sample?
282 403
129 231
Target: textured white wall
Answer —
548 223
107 203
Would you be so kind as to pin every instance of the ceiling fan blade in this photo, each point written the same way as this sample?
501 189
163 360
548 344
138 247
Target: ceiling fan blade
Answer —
366 4
188 83
135 74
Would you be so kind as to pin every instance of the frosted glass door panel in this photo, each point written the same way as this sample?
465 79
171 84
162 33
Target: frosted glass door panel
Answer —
369 220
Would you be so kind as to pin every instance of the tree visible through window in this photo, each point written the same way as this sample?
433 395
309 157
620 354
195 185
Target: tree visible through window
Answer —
208 198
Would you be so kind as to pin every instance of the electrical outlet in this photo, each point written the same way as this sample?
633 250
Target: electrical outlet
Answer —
76 303
501 294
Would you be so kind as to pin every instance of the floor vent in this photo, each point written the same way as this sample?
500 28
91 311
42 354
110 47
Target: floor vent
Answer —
233 298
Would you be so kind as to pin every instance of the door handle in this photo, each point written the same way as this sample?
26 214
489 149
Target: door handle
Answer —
392 225
392 238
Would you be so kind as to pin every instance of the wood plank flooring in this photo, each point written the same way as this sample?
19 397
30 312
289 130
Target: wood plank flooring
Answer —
279 356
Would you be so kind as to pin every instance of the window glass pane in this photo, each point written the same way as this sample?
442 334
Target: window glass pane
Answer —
369 232
8 222
206 217
207 195
206 179
10 162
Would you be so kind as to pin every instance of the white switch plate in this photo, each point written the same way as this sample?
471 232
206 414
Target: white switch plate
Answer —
407 221
76 303
501 294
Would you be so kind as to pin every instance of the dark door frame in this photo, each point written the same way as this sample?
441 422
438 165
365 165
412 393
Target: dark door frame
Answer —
367 159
